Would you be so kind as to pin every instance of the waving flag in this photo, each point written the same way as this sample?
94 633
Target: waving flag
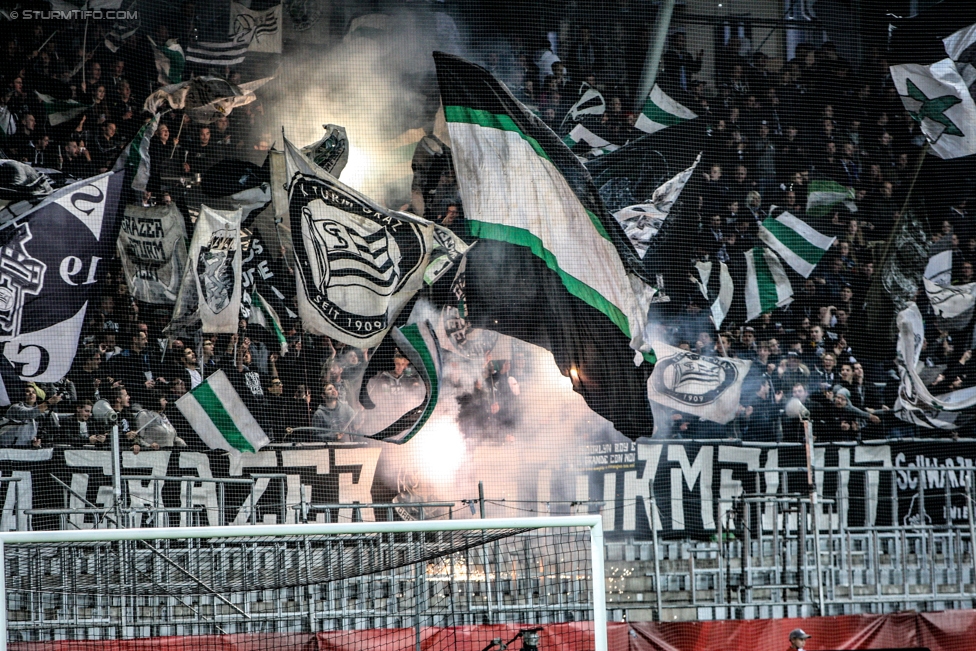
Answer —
800 246
707 387
218 415
767 286
549 247
824 196
358 263
260 29
661 112
170 61
933 71
49 265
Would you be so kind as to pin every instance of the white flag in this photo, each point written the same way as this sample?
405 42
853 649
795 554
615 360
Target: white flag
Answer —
359 264
913 393
152 250
938 97
708 387
212 280
767 286
262 29
717 291
952 303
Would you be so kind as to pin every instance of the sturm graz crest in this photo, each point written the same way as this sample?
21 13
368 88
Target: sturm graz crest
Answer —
215 270
693 379
354 258
20 275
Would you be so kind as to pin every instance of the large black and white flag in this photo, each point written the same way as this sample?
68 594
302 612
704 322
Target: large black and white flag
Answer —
717 289
49 263
211 286
262 29
152 249
708 387
953 304
913 394
358 263
219 53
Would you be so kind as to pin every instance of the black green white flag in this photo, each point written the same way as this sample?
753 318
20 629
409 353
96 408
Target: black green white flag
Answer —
137 154
797 243
170 61
661 111
60 110
767 286
549 247
825 196
218 415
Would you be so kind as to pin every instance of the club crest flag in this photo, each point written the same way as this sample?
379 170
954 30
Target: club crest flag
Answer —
152 249
358 263
261 29
707 387
213 276
50 259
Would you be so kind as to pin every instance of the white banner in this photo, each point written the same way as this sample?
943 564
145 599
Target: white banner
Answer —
261 28
213 276
708 387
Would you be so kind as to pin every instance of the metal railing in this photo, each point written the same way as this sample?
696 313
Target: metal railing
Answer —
806 559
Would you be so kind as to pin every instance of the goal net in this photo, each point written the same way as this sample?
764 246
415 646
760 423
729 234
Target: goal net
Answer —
518 583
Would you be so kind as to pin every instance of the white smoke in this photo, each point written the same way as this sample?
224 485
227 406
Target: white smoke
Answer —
527 469
378 82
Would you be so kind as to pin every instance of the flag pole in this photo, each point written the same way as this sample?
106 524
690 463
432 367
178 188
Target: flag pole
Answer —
877 293
904 208
718 335
178 134
84 52
653 61
47 40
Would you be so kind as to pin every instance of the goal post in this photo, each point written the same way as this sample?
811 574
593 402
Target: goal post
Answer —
525 574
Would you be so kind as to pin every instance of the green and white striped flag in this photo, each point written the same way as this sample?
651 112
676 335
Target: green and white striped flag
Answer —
597 145
265 316
170 61
218 415
60 110
531 202
824 196
800 246
418 343
660 112
137 154
767 286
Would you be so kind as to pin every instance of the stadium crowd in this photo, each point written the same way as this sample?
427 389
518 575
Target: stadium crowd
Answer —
770 133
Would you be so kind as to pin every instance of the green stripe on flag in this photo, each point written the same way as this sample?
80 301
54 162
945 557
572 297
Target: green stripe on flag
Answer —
220 418
656 114
522 237
490 120
412 334
768 296
793 241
